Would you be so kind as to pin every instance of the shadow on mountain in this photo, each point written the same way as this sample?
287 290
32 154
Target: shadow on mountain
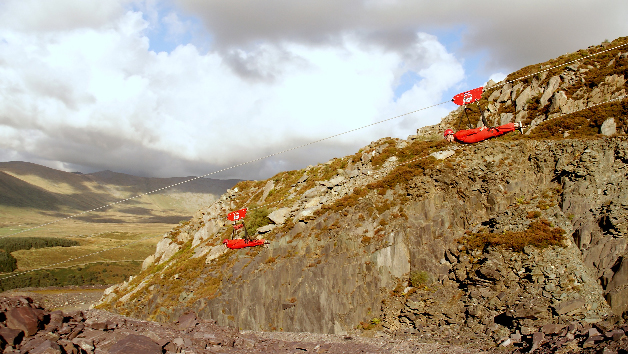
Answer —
101 220
134 184
136 211
167 219
17 193
50 190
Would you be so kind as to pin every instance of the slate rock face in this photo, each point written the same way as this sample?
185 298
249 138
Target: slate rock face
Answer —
345 253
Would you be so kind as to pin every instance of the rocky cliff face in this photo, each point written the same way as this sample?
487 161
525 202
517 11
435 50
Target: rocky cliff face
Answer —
490 240
541 92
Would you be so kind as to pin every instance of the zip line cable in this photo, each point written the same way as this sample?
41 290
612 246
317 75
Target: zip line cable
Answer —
282 152
295 148
126 244
564 64
620 98
264 205
75 258
227 168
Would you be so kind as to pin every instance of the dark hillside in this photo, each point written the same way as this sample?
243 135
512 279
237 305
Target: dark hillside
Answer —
146 184
17 193
25 184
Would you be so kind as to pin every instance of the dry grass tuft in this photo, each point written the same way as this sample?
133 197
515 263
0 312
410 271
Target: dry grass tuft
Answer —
539 234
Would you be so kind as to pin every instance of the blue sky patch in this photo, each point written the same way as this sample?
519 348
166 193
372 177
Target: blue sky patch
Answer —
406 83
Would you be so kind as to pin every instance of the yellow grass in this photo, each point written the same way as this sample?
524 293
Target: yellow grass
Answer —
93 237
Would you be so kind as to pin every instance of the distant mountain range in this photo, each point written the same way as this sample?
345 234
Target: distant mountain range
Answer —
29 185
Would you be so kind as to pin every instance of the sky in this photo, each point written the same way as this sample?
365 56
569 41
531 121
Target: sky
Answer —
164 88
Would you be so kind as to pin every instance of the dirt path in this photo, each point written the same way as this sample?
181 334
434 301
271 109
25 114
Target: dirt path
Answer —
61 298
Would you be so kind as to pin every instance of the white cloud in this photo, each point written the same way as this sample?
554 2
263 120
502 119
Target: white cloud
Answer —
81 87
497 77
513 34
99 98
58 15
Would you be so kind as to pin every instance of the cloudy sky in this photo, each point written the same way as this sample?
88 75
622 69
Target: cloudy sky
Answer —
186 87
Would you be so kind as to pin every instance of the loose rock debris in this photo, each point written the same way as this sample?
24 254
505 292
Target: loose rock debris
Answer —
26 327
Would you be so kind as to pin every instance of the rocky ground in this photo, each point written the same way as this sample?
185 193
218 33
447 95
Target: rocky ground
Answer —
70 298
27 327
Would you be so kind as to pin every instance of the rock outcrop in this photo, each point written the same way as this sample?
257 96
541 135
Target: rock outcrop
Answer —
548 94
417 237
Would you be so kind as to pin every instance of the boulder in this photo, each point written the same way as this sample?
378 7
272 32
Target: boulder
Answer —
215 252
86 344
267 228
522 101
506 118
516 90
46 347
505 93
553 84
537 340
303 178
148 261
609 127
26 319
441 155
68 346
312 203
559 100
135 344
11 336
165 249
552 328
306 214
279 216
495 95
338 180
569 306
187 320
314 192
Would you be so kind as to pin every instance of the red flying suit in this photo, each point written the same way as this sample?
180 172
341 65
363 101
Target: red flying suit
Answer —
478 134
241 243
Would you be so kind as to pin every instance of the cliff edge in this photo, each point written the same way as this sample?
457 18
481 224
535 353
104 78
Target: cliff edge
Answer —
418 237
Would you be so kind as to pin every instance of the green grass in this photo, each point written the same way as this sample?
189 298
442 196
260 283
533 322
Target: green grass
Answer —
91 237
255 219
8 263
89 274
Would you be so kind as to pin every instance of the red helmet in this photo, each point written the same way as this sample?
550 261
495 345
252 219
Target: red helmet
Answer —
448 131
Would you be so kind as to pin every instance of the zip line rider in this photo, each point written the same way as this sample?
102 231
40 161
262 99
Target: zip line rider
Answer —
470 136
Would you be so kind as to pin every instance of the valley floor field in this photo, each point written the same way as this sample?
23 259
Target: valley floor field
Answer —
108 252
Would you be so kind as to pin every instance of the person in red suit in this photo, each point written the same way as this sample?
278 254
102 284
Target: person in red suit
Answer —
470 136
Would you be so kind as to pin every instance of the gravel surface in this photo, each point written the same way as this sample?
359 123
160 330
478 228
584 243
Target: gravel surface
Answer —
66 299
69 299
